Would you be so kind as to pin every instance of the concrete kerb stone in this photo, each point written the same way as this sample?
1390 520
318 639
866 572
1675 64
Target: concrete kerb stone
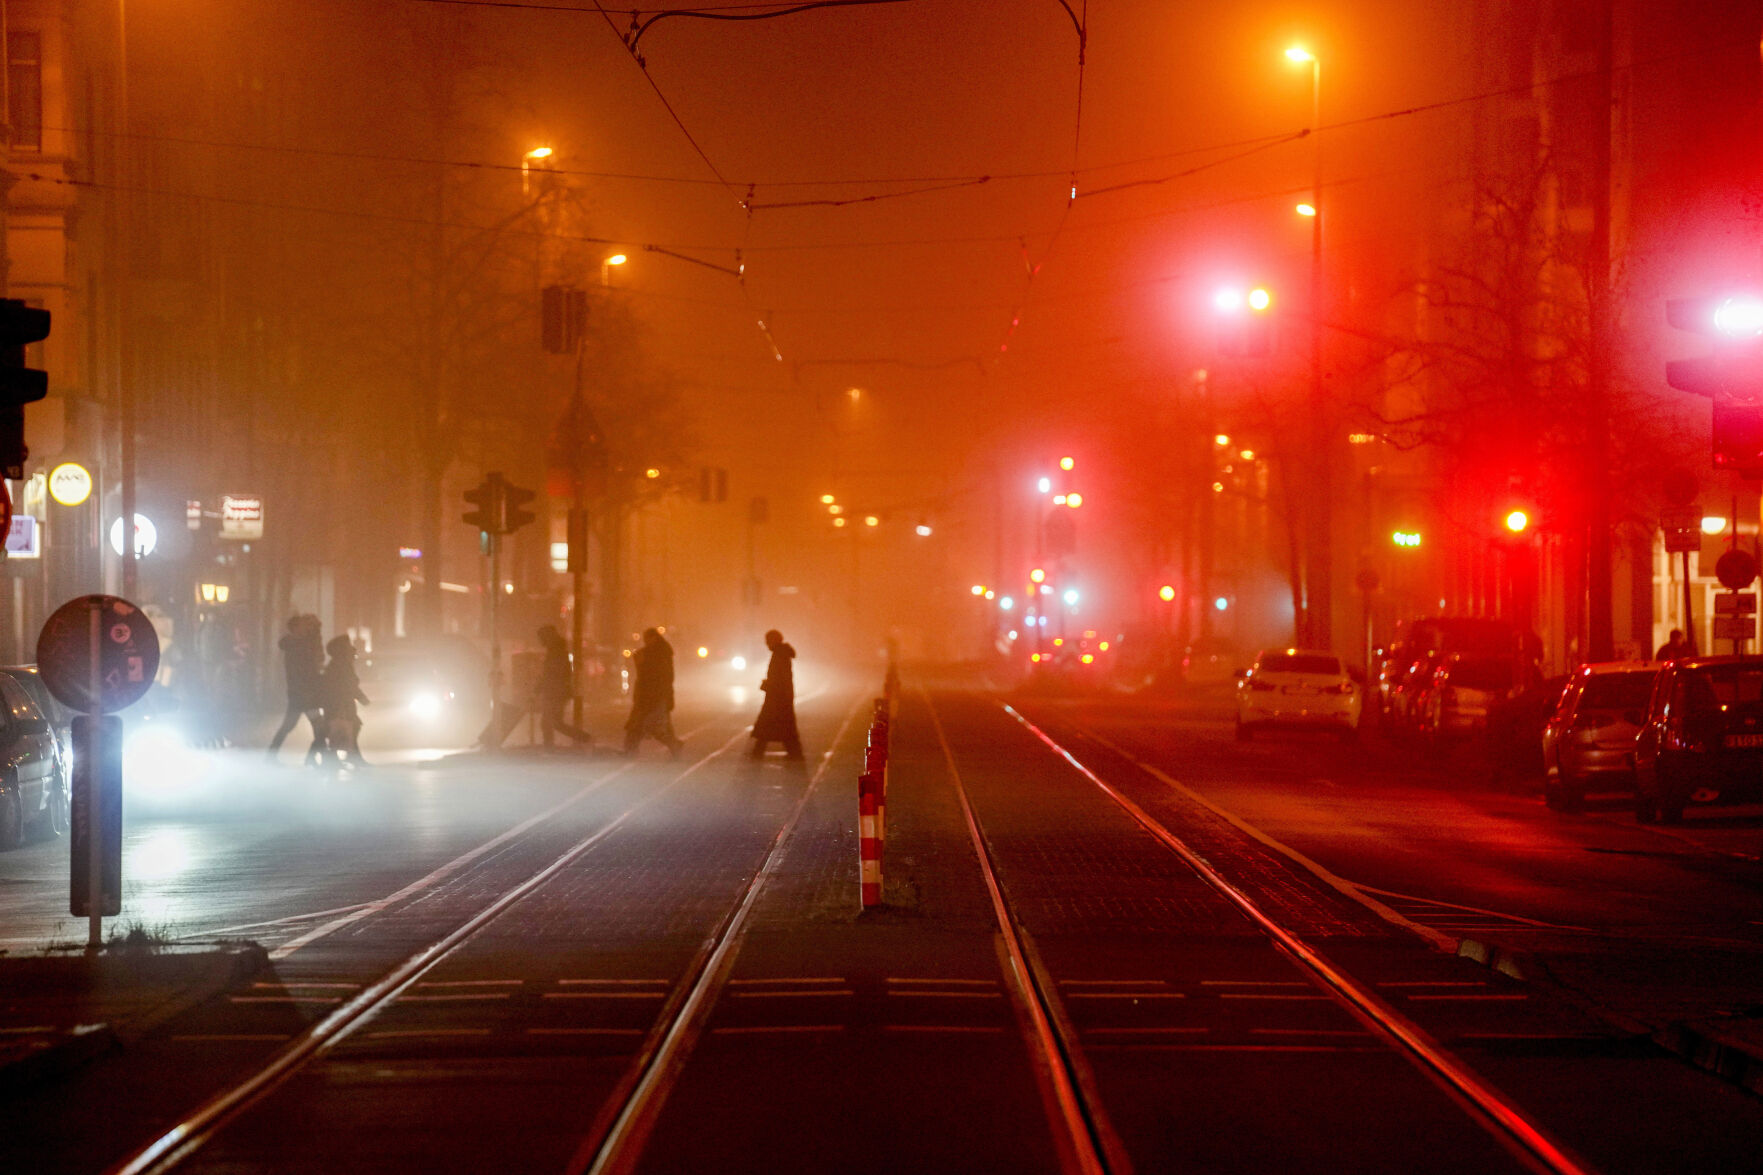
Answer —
1712 1045
33 1060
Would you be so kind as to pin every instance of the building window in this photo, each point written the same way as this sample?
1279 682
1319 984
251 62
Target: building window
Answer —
24 83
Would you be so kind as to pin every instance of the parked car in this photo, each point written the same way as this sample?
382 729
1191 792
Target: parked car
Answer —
1453 704
1588 742
1701 738
1297 688
1409 684
33 776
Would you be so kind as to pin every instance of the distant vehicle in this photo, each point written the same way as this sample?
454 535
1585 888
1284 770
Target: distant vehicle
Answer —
1701 738
1299 688
440 685
33 775
1453 704
1588 742
1077 663
1209 661
1408 685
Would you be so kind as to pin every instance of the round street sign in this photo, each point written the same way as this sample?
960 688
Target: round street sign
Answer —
69 483
1736 569
128 654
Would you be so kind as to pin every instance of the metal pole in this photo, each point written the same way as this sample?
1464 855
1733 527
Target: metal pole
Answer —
1318 597
1689 617
94 806
578 622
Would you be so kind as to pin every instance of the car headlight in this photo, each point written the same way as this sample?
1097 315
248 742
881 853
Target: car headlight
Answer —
426 706
737 662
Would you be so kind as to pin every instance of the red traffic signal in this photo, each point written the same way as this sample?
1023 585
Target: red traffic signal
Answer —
1735 323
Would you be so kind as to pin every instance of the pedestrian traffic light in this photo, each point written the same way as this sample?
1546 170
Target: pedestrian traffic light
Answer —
563 318
1738 438
487 498
513 517
1735 323
19 385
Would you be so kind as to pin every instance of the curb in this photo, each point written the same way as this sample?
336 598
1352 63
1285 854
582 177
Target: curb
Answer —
86 1042
1702 1043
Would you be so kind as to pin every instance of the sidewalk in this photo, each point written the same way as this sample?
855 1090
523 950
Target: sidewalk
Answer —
59 1010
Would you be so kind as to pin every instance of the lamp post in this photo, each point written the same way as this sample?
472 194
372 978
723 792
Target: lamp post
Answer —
1319 564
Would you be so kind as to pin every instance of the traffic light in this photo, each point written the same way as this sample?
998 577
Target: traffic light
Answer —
563 318
19 385
1517 519
513 517
1735 323
487 498
1738 438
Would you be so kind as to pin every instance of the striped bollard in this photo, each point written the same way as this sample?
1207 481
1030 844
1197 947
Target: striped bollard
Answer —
869 839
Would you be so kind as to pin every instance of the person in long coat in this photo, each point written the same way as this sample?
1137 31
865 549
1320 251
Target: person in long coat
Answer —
556 686
340 691
777 715
652 695
302 664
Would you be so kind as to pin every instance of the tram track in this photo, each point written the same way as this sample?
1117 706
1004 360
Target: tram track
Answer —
174 1146
1094 1144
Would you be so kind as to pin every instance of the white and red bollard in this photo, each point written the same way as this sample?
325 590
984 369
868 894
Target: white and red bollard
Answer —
872 806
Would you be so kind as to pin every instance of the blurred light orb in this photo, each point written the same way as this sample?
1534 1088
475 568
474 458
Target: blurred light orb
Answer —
1166 593
1066 463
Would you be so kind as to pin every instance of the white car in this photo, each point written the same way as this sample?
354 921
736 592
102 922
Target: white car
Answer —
1298 688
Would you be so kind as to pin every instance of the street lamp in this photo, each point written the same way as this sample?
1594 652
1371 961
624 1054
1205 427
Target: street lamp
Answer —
1317 610
606 268
536 155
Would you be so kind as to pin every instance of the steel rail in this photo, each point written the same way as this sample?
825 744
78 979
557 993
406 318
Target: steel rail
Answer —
651 1075
1490 1107
200 1125
1090 1144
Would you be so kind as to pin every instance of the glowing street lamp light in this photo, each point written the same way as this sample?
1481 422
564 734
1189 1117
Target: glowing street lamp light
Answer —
1259 299
1517 520
1713 524
827 499
1066 463
1298 55
536 155
1044 485
1166 593
606 266
1305 210
1074 500
979 589
871 520
1037 576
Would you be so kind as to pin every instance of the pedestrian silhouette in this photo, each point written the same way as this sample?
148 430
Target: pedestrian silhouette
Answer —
556 686
777 715
339 691
1676 645
652 695
302 665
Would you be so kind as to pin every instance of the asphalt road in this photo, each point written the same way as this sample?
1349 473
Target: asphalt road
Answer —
1112 939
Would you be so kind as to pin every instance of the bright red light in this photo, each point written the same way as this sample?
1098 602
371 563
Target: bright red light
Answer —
1517 521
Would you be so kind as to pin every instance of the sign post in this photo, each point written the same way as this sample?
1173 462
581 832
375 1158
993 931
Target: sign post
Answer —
97 654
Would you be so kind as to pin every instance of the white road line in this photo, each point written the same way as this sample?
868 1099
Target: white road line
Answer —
752 982
604 995
585 1031
1125 995
939 1028
473 983
949 982
631 982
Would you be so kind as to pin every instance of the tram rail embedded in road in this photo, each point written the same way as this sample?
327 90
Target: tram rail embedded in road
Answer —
1485 1104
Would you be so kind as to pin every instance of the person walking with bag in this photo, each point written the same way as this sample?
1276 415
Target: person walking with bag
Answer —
555 688
652 695
302 665
340 690
777 715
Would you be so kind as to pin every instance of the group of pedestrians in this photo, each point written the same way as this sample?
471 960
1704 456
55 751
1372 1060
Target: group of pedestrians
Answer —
327 694
651 714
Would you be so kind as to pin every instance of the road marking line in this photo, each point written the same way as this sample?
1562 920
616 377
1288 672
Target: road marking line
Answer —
1128 995
1311 1032
949 982
32 1028
1465 997
753 995
1420 903
284 999
1253 983
1435 983
778 1028
1236 1048
585 1031
1165 1031
1112 982
632 982
428 1032
314 986
1258 995
751 982
938 1028
949 995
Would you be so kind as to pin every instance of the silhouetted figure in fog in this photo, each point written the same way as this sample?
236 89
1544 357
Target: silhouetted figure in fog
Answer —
303 665
339 691
777 716
1676 645
652 695
555 688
